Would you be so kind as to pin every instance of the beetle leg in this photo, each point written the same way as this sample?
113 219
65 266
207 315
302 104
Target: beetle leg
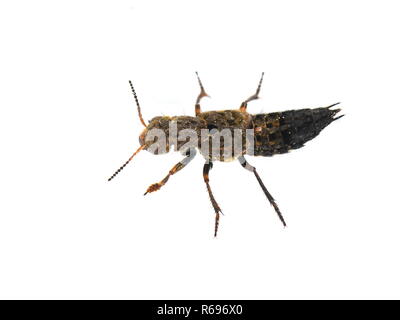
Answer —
206 169
255 96
190 154
202 94
271 200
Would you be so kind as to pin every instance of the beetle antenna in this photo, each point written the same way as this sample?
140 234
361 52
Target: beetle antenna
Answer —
137 103
124 165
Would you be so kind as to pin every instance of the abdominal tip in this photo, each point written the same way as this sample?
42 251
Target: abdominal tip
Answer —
332 105
337 118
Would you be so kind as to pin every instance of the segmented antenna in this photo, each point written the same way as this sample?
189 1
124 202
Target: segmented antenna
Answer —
124 165
259 84
137 103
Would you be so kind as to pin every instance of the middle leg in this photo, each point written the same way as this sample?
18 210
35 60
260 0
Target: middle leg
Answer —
206 169
202 94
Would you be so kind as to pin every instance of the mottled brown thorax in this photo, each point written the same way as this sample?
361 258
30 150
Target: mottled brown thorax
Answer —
222 125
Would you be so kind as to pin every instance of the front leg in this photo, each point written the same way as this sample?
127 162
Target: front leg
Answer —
190 154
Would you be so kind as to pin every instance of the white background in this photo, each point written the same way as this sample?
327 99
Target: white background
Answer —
68 121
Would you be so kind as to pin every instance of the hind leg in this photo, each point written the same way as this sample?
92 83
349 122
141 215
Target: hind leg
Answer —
243 106
271 200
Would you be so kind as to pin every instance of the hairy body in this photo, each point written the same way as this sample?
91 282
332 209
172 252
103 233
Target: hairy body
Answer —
272 133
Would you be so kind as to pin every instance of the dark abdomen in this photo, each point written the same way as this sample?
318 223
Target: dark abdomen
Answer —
279 132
